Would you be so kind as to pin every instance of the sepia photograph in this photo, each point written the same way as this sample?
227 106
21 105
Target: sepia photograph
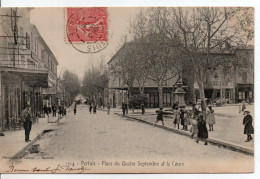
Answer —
127 90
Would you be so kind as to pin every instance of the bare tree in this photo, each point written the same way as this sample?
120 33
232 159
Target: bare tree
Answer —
201 32
161 61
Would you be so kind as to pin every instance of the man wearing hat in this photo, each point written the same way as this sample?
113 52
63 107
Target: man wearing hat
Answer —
26 117
249 129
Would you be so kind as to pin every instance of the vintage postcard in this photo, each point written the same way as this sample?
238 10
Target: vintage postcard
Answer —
127 90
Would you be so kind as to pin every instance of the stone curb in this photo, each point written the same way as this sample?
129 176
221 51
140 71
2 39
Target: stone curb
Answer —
218 142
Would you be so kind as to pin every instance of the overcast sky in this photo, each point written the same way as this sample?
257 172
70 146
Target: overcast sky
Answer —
51 25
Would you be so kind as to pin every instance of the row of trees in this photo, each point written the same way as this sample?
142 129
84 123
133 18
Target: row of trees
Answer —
94 82
167 40
71 85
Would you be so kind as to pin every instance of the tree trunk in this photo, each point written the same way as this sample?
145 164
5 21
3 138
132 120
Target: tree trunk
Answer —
160 90
202 97
235 84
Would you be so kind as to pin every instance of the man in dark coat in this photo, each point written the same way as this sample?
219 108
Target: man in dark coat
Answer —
142 108
54 109
249 129
123 108
159 116
202 130
26 117
182 118
94 109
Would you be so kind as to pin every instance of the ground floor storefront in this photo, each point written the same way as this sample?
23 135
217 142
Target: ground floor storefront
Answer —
232 95
117 96
19 87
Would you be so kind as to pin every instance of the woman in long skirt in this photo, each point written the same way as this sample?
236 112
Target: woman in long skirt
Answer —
202 130
210 120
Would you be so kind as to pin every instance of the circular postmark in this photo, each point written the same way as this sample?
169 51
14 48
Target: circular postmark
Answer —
86 29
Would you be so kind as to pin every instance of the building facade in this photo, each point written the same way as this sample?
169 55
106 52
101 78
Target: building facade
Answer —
117 91
25 67
232 81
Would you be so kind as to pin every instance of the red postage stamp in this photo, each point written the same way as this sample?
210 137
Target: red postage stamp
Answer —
87 24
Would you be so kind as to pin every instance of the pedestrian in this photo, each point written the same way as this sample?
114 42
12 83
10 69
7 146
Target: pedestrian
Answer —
123 108
90 108
159 116
186 119
59 111
210 119
182 117
46 110
54 109
176 120
248 123
26 117
64 110
202 130
142 108
126 108
75 108
108 108
194 128
94 109
49 109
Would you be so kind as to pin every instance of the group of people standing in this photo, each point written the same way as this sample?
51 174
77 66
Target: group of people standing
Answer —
94 107
184 117
61 110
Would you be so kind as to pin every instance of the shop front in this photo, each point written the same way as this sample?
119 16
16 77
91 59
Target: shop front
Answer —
20 87
245 92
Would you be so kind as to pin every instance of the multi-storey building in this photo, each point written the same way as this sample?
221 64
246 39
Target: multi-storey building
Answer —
27 66
232 80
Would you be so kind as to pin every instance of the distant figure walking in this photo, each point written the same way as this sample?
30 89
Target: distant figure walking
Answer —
126 108
142 108
108 108
176 114
123 108
75 108
249 129
94 109
182 118
46 110
59 111
54 109
159 116
90 108
64 110
210 120
186 119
